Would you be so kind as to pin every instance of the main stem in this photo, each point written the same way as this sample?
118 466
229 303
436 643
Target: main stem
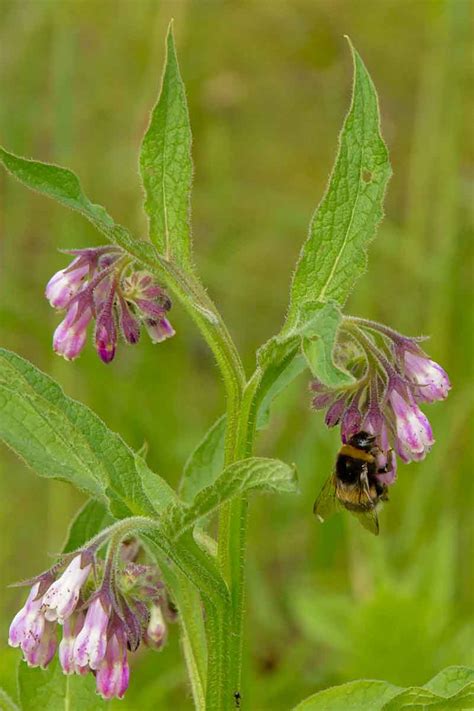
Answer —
233 541
224 626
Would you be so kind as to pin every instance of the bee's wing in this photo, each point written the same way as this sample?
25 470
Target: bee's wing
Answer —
326 503
369 520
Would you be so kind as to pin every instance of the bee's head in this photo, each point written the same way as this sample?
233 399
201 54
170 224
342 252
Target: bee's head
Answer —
362 440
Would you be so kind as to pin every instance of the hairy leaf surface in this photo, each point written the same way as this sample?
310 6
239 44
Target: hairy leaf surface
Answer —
63 439
255 473
335 253
166 165
61 184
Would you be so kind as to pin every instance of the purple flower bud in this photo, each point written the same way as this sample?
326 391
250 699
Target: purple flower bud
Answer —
65 284
28 624
432 380
129 324
91 642
374 423
41 654
156 632
351 420
414 435
60 600
322 400
71 628
101 292
113 673
159 330
106 335
70 336
316 386
334 414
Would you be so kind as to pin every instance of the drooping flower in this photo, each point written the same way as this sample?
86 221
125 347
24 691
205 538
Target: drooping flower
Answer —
91 642
113 672
28 624
414 436
158 329
101 284
60 600
71 628
156 631
336 411
124 608
42 653
384 399
70 336
432 380
65 284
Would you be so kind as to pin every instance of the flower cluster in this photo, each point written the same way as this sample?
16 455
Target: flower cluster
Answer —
101 284
99 623
393 376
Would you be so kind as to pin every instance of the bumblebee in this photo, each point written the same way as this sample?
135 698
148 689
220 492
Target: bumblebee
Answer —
354 484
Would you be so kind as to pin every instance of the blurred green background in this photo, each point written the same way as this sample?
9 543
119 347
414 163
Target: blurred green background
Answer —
268 85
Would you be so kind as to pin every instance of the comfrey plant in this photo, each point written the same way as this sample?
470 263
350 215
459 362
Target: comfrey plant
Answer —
107 596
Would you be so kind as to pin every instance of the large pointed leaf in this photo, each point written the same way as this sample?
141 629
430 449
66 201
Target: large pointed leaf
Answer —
166 165
63 439
58 183
63 185
335 254
255 473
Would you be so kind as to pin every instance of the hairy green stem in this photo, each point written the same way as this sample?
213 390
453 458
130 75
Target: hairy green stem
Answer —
224 623
232 544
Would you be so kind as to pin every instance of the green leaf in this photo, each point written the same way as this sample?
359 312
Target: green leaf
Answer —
6 703
90 519
61 438
279 373
315 334
255 473
205 463
192 629
323 323
157 490
61 184
354 696
52 690
453 688
166 165
451 680
58 183
335 253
